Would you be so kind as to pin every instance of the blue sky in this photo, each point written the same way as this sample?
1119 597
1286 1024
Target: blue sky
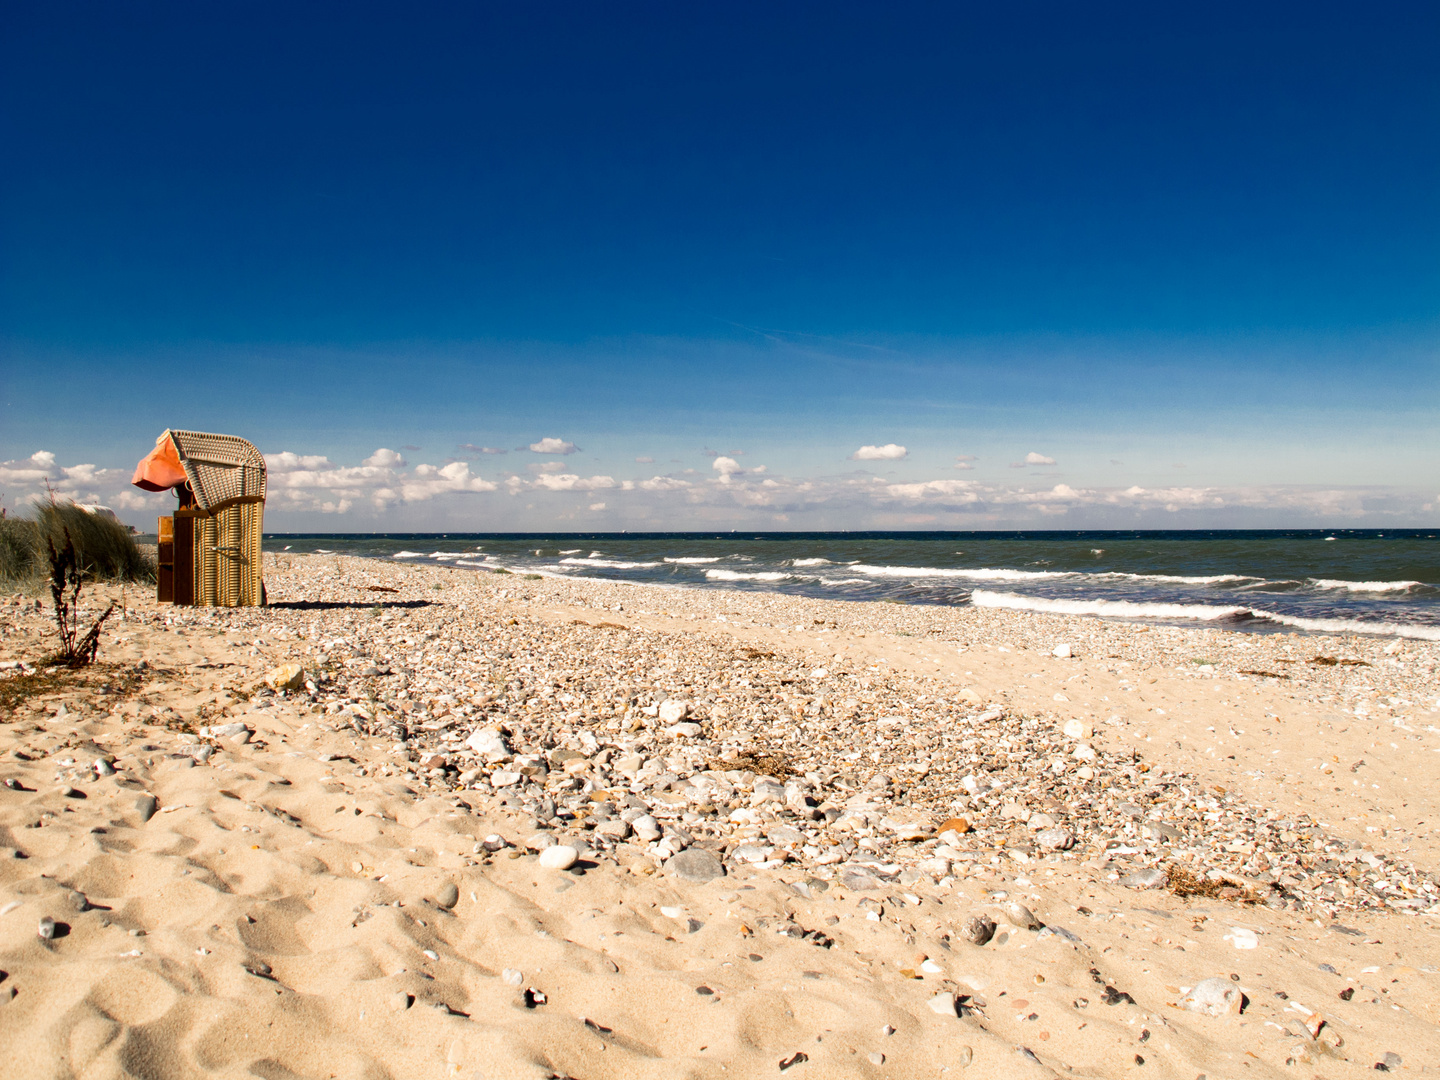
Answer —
1190 257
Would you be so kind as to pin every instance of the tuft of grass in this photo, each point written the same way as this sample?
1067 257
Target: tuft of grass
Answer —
104 549
19 548
532 577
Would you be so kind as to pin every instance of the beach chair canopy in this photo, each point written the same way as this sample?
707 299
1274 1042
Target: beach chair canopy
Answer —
221 469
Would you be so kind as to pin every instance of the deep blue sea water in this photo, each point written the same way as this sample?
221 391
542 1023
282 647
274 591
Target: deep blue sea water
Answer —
1337 581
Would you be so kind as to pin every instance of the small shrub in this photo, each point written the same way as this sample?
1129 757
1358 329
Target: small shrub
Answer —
65 574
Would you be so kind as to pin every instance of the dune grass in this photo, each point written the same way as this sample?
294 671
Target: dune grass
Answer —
104 549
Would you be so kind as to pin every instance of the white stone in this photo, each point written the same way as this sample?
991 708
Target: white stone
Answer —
559 857
943 1003
504 778
673 710
1213 997
489 743
646 828
1063 651
1077 729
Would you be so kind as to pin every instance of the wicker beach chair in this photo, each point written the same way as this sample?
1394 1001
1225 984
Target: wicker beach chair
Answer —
210 548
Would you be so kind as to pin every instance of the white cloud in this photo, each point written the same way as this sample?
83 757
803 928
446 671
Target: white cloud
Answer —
384 459
571 482
963 463
597 506
726 467
645 461
1033 458
888 452
25 479
313 482
552 445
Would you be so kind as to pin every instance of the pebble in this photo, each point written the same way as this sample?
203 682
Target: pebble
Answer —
978 929
512 977
1021 916
695 864
448 895
559 857
400 1001
877 1058
285 677
1145 879
645 828
103 767
46 930
1213 997
943 1003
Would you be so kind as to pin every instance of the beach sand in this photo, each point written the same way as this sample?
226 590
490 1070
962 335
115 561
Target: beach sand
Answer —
341 887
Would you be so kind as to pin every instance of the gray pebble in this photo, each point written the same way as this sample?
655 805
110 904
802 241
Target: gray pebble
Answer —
695 864
978 929
447 896
1145 879
1021 916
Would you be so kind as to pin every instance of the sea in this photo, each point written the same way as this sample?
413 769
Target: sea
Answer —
1383 582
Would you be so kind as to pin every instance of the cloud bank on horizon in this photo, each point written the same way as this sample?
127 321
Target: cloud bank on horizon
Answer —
385 491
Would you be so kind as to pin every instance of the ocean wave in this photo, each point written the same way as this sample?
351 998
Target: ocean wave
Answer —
735 575
1180 579
611 564
982 574
472 562
1127 609
408 555
1366 586
811 562
692 560
572 551
1353 626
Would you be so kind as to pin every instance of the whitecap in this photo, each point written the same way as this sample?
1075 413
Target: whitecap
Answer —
1128 609
1180 579
735 575
614 564
1353 626
690 560
572 551
983 574
811 562
408 555
1365 586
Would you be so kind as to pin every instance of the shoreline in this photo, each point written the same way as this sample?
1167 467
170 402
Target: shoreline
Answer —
1146 750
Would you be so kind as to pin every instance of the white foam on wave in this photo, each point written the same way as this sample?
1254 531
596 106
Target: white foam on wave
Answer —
1353 626
472 562
1128 609
612 564
572 551
735 575
811 562
983 574
1365 586
1181 579
692 560
408 555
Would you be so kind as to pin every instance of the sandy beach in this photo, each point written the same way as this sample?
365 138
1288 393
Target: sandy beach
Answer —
412 821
